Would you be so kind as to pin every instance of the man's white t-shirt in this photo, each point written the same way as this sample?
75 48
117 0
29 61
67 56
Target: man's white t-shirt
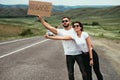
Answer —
70 47
81 41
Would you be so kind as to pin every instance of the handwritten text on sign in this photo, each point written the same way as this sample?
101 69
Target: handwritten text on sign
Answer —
39 8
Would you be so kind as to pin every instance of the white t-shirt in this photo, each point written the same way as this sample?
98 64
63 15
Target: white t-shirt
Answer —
81 41
70 47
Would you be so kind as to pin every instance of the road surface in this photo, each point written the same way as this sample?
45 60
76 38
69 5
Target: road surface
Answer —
42 59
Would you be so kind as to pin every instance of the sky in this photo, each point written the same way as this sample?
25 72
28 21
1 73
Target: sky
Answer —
65 2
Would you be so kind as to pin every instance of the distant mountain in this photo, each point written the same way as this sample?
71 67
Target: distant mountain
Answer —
113 11
61 8
13 6
77 6
21 10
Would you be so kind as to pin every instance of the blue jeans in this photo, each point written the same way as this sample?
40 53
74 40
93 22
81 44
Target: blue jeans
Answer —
70 61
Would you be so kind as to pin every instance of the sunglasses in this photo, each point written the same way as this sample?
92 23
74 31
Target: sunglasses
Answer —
75 26
64 21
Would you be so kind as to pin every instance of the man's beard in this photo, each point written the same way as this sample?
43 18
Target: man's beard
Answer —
66 26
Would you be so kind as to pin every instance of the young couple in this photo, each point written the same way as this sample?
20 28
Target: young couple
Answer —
77 47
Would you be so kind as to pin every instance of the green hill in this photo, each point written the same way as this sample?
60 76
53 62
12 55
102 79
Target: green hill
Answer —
21 10
86 12
13 12
98 22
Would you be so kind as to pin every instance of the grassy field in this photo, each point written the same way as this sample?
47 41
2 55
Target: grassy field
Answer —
108 27
11 28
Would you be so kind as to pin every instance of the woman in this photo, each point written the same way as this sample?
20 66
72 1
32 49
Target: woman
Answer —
83 41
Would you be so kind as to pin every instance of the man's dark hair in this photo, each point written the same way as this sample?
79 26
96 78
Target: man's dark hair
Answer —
66 17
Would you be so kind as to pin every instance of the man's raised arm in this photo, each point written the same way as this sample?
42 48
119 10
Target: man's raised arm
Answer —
46 25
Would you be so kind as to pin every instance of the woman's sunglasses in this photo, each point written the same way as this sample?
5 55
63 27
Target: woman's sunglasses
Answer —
75 26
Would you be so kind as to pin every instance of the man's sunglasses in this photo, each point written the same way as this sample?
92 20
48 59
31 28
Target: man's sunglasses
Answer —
64 21
75 26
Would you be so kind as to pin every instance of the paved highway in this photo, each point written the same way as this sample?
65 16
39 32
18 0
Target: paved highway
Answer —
41 59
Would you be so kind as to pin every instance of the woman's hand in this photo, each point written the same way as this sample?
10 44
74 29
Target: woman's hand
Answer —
91 62
46 36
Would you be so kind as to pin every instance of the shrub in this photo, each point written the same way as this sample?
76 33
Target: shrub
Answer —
26 32
95 24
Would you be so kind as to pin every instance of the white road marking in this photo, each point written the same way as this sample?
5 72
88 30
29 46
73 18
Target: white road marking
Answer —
23 48
15 40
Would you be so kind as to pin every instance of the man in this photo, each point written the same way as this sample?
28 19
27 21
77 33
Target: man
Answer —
70 48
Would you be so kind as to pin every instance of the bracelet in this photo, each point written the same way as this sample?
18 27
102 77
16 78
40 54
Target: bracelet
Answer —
91 58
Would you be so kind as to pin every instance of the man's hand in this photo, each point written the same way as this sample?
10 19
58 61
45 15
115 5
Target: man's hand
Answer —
40 17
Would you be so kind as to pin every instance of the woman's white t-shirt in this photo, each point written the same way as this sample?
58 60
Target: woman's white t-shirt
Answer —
81 41
70 47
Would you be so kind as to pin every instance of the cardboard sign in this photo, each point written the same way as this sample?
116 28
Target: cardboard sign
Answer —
39 8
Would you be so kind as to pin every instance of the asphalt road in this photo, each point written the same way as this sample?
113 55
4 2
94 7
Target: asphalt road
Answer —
42 59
